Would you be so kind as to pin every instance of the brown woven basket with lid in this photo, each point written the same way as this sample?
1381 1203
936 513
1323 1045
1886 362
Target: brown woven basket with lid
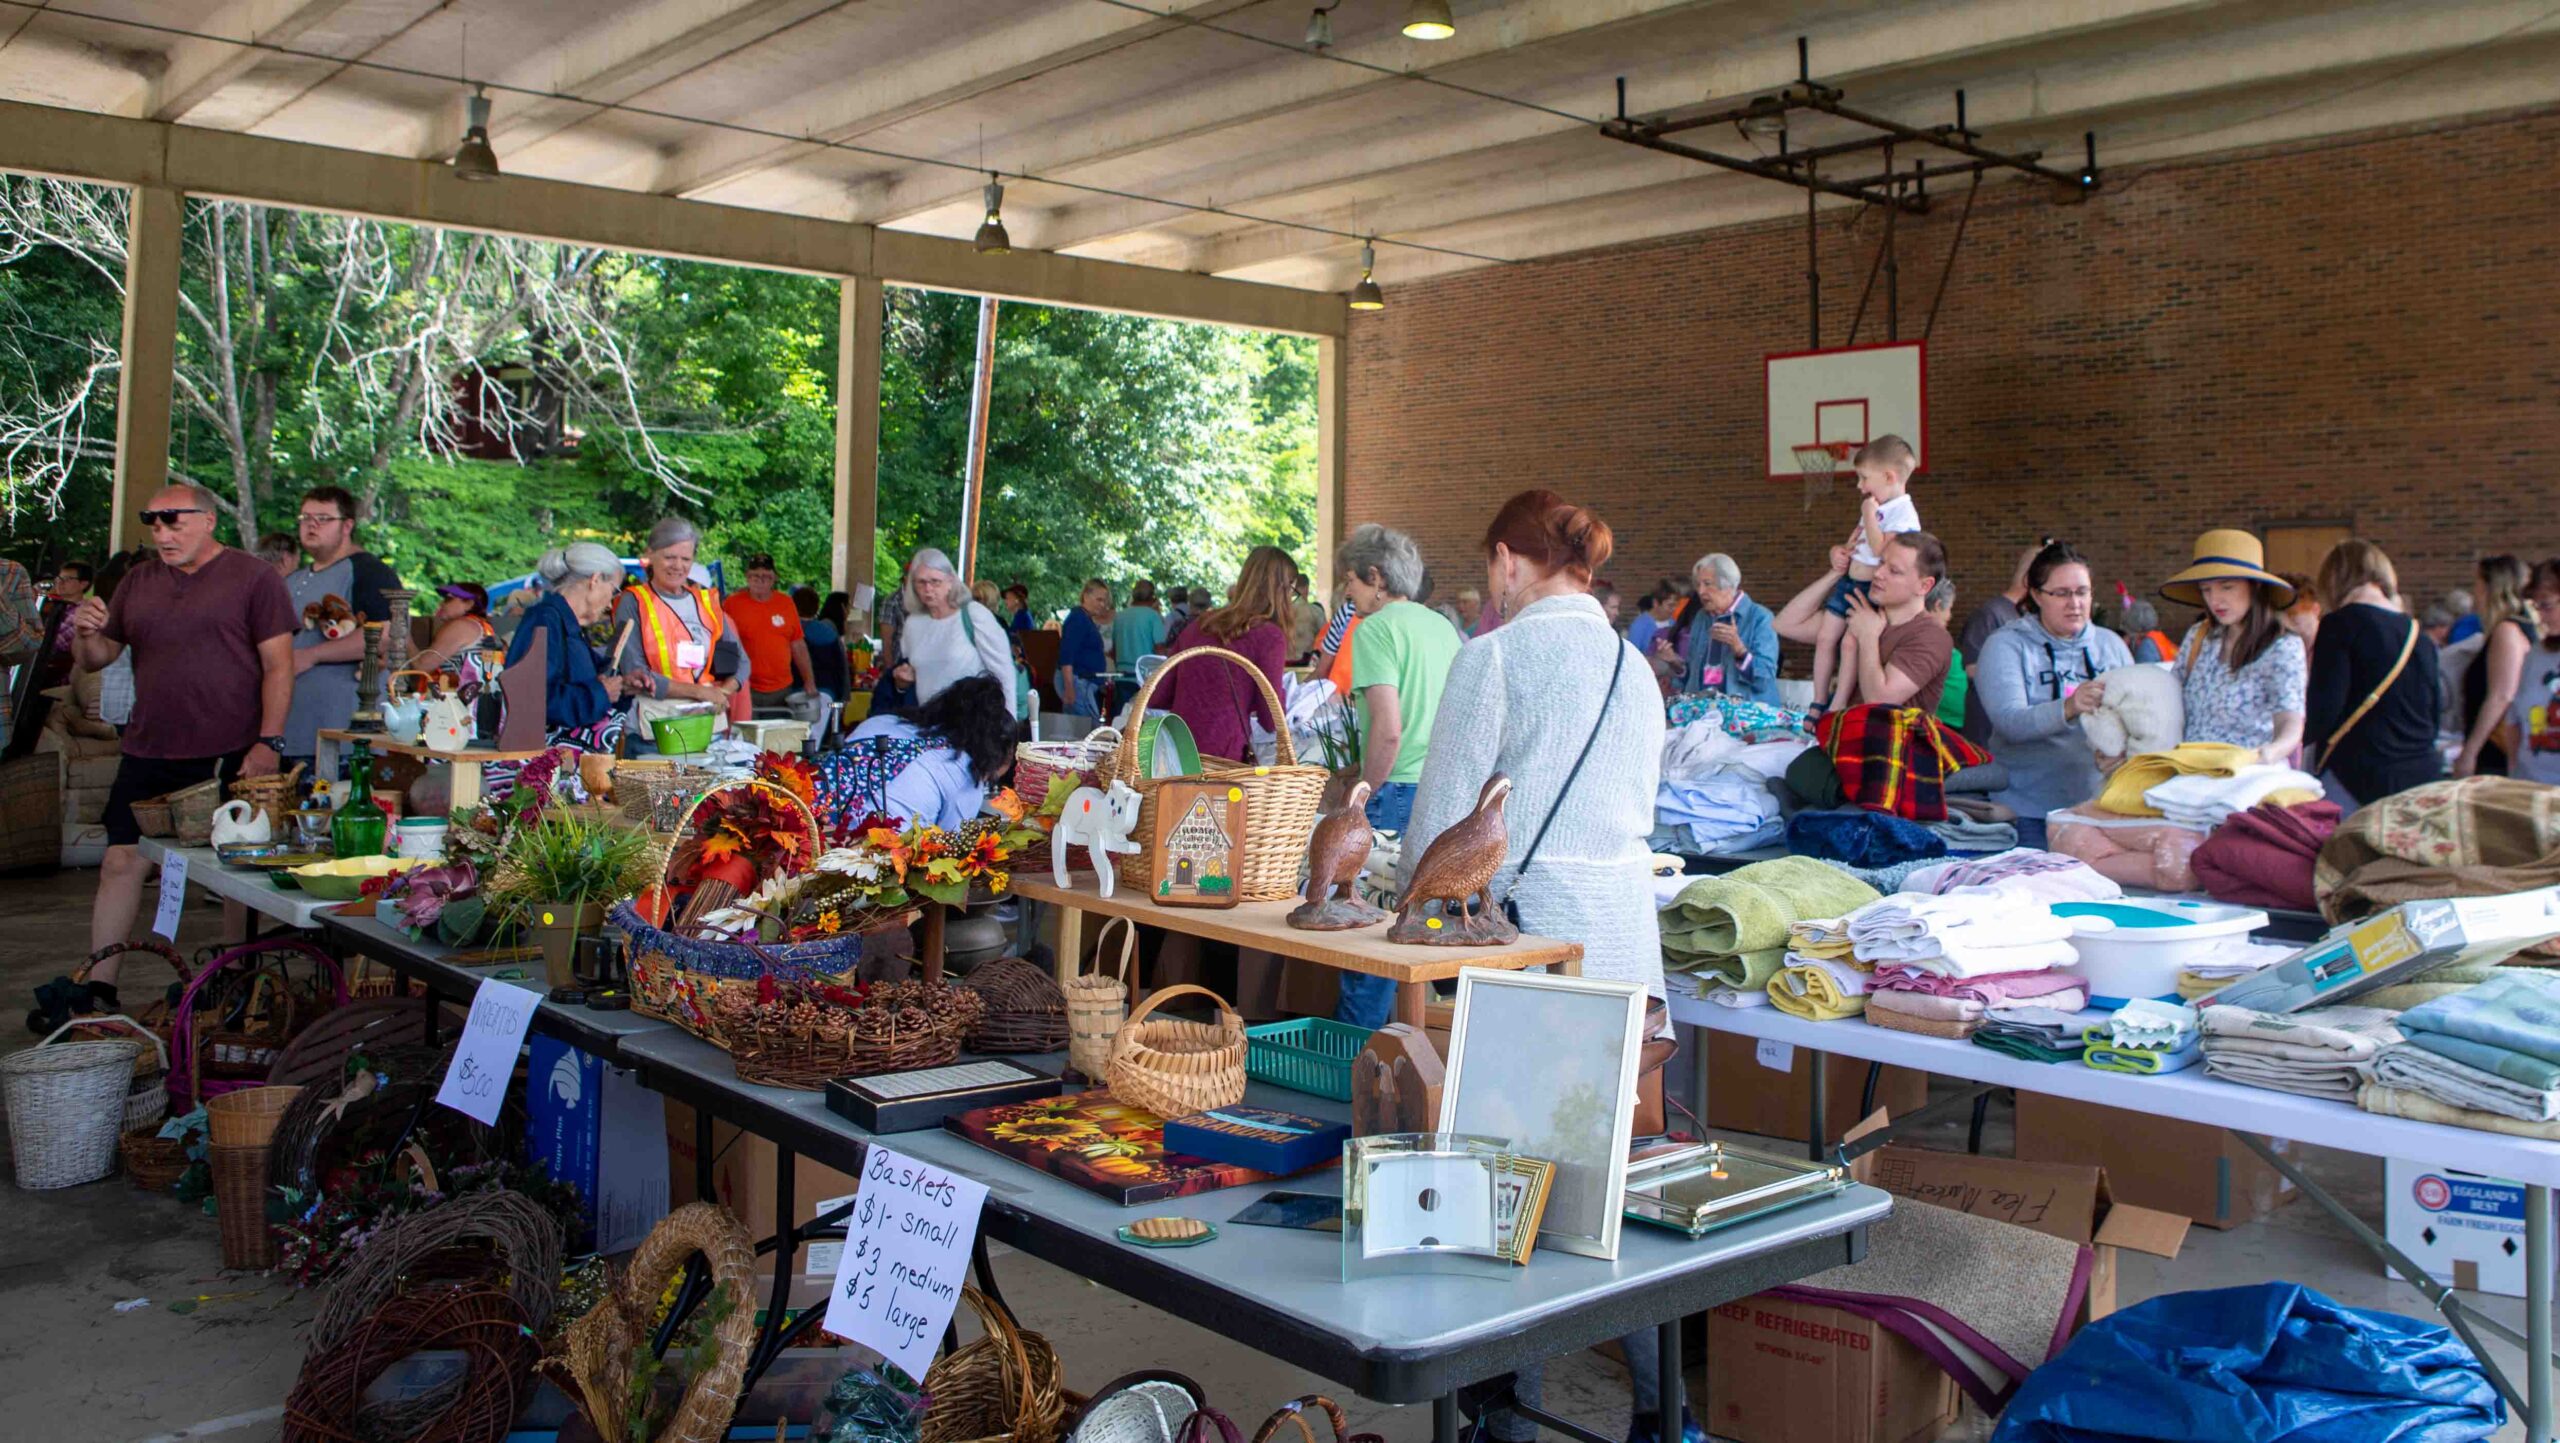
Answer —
1175 1068
1280 800
1026 1012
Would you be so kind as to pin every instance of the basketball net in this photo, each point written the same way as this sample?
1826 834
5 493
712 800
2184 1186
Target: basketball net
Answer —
1819 461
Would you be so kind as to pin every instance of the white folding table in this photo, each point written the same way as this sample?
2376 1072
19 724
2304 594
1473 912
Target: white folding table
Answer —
253 890
2250 1114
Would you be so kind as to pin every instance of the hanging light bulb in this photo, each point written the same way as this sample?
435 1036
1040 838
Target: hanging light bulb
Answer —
473 159
1366 296
1320 26
992 241
1429 20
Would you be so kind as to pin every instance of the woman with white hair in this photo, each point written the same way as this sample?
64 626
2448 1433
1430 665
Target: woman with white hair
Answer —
947 636
579 583
680 638
1733 640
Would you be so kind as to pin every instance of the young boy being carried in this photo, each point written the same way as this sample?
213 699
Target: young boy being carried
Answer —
1884 467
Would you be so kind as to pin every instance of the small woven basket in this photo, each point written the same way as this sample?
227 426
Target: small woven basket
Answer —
1006 1387
66 1110
151 818
1280 800
153 1013
248 1118
1174 1068
1025 1010
1038 766
151 1162
273 795
1097 1004
912 1025
191 812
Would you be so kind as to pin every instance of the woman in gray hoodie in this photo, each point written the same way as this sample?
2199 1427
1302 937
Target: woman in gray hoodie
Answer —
2037 677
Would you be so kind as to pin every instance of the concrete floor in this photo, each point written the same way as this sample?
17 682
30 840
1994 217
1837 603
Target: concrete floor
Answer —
223 1369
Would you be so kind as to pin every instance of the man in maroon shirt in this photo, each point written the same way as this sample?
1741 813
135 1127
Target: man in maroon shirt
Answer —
211 630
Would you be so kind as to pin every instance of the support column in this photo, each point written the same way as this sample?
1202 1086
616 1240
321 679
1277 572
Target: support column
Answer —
857 493
152 245
1333 394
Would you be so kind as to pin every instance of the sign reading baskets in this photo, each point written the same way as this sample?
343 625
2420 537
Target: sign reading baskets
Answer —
2469 1197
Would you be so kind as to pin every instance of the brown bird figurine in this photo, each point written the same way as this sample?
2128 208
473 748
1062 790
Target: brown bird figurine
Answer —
1457 872
1335 856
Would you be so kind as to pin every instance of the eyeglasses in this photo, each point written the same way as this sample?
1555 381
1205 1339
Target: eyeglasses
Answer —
2077 593
170 516
311 520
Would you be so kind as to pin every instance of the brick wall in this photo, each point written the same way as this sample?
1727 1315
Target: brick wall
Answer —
2362 333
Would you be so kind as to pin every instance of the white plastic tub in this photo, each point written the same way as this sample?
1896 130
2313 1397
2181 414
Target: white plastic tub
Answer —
2136 946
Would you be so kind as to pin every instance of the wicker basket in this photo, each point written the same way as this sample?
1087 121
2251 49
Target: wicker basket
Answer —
154 1013
1037 766
273 795
146 1098
770 1049
66 1110
248 1118
1174 1068
151 818
31 813
1280 800
642 785
1006 1387
240 1206
1098 1004
1025 1010
207 1057
191 812
151 1162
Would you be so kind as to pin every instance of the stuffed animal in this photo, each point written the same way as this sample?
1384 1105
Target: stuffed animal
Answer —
331 617
2143 712
1102 821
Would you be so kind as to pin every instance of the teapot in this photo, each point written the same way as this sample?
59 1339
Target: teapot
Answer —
241 824
447 724
403 717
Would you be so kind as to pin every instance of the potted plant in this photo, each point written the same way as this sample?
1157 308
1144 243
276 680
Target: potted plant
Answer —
555 878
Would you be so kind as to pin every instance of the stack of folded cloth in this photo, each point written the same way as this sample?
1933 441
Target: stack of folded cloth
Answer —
1926 1013
2205 802
1962 934
1904 995
2039 1033
1733 928
2143 1037
2023 873
2264 857
2325 1052
1821 989
2235 959
2488 1058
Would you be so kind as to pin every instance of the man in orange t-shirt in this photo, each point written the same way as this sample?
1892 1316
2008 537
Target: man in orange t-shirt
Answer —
769 628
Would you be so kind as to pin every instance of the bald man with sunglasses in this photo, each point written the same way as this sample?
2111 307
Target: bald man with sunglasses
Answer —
211 629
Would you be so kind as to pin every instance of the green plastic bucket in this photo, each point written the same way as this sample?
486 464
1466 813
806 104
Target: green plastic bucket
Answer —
683 735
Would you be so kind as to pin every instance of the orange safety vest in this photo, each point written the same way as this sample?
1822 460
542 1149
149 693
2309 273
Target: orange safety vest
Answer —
661 630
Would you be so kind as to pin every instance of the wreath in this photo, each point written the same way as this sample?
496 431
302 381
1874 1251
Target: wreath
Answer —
606 1364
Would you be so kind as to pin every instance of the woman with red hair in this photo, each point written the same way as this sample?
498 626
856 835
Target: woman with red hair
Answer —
1556 700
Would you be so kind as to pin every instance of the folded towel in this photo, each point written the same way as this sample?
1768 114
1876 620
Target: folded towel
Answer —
2263 857
2139 774
2518 1009
2333 1081
1747 911
2518 1067
1965 836
2023 1048
1925 1026
1820 937
1750 970
2346 1034
2197 800
2051 1028
1922 1004
2025 875
2459 1085
2048 987
1724 996
2385 1101
2020 926
2145 1061
1819 991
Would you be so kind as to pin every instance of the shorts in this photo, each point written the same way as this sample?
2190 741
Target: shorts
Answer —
139 779
1838 602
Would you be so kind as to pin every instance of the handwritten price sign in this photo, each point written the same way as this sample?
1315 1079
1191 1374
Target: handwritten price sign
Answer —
906 1253
485 1058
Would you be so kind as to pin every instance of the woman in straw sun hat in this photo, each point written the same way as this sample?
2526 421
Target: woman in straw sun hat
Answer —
2242 672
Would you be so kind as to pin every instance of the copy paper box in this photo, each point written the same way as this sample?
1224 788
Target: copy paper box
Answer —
2193 1169
1783 1372
2398 945
2069 1201
2464 1228
594 1127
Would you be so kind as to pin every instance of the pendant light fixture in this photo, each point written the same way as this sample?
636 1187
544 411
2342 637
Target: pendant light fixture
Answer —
473 159
1320 26
1429 20
992 241
1366 296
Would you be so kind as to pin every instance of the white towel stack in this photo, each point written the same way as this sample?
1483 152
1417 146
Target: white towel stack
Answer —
2203 803
1961 935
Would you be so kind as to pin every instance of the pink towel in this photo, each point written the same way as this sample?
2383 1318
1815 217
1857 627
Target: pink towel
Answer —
2047 988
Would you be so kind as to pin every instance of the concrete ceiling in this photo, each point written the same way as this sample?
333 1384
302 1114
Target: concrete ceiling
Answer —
1120 98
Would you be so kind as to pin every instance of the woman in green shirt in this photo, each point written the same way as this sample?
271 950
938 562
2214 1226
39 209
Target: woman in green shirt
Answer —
1942 610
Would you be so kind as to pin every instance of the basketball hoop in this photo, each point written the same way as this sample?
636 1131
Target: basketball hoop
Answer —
1818 462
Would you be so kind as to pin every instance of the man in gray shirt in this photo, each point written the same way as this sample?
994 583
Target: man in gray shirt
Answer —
324 668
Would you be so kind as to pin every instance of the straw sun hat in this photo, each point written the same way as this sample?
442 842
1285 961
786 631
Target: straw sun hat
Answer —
2226 556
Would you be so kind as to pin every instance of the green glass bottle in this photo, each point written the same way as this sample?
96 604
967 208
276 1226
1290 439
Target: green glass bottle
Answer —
359 828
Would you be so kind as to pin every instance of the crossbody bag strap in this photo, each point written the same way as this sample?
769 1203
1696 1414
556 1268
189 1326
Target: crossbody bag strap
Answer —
2408 645
1607 699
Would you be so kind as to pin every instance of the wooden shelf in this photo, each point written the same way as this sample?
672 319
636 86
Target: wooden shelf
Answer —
382 744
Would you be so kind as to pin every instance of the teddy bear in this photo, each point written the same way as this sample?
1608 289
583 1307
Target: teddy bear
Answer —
331 617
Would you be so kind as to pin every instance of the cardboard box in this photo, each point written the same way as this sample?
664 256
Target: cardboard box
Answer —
2192 1169
2396 946
1744 1095
2064 1200
596 1128
742 1178
2465 1229
1781 1372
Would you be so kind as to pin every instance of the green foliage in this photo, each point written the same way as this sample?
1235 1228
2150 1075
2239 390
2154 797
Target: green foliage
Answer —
567 858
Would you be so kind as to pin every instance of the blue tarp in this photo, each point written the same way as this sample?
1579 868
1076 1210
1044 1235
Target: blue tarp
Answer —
2253 1365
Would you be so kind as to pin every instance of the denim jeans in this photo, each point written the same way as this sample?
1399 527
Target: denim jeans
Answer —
1644 1379
1088 700
1371 1001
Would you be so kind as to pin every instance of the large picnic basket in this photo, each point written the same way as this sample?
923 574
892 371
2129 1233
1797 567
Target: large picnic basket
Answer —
1280 799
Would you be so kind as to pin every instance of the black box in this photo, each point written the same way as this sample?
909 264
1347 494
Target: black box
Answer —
913 1101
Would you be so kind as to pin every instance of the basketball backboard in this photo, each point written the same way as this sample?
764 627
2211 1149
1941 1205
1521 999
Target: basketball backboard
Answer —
1845 397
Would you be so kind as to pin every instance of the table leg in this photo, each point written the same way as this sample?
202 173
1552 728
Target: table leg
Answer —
1814 1124
1411 999
1445 1418
2537 1314
929 932
1668 1340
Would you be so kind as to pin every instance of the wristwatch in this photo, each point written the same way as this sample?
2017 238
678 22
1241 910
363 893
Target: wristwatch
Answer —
274 743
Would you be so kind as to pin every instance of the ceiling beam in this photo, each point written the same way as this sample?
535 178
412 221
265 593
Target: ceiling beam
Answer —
199 68
83 145
528 122
880 95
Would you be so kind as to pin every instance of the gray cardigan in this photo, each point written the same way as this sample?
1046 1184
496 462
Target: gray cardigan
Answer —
2019 681
1521 700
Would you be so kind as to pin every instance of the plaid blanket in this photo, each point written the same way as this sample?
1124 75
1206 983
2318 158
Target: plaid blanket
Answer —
1895 759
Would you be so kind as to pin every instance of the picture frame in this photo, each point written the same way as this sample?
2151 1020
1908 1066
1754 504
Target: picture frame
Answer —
1423 1203
1198 842
1520 1188
1576 1110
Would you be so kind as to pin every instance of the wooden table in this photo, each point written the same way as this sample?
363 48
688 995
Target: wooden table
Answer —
466 763
1260 925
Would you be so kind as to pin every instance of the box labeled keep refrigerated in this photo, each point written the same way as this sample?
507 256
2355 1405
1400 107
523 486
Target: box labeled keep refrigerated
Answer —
2399 945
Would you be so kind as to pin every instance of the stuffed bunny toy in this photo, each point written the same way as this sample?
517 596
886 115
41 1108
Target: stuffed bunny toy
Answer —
2143 712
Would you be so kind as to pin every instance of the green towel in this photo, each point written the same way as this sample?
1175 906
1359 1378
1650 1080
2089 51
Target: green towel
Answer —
2504 1062
2141 1061
2020 1047
1750 971
1748 910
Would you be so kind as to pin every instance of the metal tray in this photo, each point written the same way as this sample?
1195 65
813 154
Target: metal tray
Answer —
1696 1190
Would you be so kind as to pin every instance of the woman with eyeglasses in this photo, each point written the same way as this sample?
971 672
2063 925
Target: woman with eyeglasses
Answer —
2038 676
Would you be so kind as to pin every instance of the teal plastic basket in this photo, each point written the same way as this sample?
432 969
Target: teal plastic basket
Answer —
1311 1055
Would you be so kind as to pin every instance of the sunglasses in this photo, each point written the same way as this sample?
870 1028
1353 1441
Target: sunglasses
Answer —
170 516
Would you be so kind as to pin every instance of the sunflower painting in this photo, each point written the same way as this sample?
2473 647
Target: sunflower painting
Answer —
1047 1132
1106 1147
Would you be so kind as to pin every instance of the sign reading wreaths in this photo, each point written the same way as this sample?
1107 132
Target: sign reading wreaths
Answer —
906 1255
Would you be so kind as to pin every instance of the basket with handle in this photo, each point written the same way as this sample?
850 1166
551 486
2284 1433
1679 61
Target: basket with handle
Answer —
1147 1406
191 812
272 794
1295 1411
676 978
1026 1010
1174 1068
1005 1387
208 1057
1280 799
66 1110
1097 1003
146 1098
1038 766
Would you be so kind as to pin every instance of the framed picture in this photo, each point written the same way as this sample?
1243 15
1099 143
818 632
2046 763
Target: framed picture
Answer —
1520 1188
1550 1063
1198 841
